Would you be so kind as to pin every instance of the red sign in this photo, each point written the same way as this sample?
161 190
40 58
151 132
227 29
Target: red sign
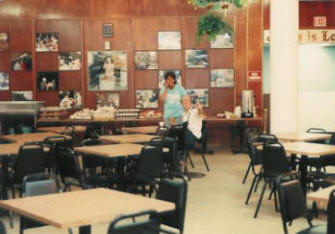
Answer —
320 21
255 75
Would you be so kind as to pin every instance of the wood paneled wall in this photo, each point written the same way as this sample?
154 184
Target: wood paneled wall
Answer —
135 26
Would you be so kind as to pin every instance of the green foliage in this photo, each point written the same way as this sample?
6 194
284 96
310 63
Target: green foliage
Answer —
216 3
211 25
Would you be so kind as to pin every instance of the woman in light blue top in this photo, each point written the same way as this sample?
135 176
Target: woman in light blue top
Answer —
171 95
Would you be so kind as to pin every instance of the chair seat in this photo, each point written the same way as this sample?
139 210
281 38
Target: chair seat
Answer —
320 229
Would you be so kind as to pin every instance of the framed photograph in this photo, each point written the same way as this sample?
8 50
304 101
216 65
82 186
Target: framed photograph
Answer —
47 81
146 60
108 99
161 80
147 98
47 42
107 70
70 99
22 95
107 30
21 61
3 41
169 40
4 81
196 58
222 78
199 95
69 61
223 41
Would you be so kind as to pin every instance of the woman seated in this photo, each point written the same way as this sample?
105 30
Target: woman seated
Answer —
192 119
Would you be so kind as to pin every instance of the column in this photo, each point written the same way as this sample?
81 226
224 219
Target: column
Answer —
284 103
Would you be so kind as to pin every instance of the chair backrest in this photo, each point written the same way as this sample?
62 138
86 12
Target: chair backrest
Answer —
91 141
67 164
173 191
255 155
31 159
150 165
89 161
156 141
292 201
268 138
328 160
149 224
170 157
178 132
39 184
162 131
316 130
331 213
275 161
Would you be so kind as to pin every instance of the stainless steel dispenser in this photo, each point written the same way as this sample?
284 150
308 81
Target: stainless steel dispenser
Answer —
247 104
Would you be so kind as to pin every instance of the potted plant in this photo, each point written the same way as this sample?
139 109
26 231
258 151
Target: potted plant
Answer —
211 25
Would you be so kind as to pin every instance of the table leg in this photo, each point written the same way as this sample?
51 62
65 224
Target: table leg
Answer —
85 229
303 173
293 163
4 177
238 128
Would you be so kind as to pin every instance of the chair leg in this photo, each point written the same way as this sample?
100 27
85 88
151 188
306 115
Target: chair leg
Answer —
250 190
246 174
260 200
275 197
188 156
256 186
204 159
271 192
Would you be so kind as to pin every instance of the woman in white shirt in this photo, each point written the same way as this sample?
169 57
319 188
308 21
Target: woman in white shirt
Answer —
192 118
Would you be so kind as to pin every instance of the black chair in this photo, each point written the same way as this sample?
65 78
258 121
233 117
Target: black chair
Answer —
150 167
250 132
275 164
173 191
30 159
149 224
293 206
331 213
162 131
202 142
33 185
53 142
69 170
317 130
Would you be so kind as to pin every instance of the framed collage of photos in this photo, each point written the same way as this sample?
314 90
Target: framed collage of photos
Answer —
4 81
169 40
223 41
199 95
69 61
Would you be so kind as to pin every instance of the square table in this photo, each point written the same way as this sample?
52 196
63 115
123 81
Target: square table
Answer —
22 138
83 208
127 138
61 129
141 130
301 136
111 151
321 195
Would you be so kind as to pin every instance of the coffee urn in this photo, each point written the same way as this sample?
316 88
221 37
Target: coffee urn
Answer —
247 104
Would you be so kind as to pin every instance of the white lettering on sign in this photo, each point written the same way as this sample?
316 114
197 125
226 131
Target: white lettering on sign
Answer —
320 21
306 36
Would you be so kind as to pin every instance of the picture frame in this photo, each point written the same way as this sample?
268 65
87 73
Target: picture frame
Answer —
47 42
169 40
161 80
22 95
196 59
21 61
107 70
223 41
147 98
201 95
108 100
107 30
146 60
4 81
47 81
4 45
70 99
69 61
222 78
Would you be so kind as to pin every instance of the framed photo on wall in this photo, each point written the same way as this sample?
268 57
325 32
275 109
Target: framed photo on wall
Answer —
21 61
69 61
70 99
147 98
146 60
222 78
169 40
107 70
3 41
199 95
223 41
4 81
47 81
22 95
47 42
196 58
108 100
107 30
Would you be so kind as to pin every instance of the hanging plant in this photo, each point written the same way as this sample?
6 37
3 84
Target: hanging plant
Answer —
217 4
211 25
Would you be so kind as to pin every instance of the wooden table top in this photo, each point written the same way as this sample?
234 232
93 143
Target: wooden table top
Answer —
321 195
308 148
22 138
142 130
302 136
127 138
61 129
12 148
111 151
83 207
